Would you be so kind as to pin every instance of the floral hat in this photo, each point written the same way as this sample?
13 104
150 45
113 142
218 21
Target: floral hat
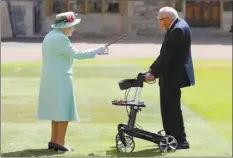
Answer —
66 19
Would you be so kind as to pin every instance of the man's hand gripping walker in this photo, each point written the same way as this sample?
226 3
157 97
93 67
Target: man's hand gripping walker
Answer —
126 132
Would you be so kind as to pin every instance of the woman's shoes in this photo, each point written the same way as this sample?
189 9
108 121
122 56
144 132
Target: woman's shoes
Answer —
61 148
58 147
51 145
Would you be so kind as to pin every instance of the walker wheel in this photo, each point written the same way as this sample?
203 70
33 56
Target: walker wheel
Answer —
130 145
117 138
168 144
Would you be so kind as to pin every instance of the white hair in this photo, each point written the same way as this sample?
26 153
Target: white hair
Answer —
169 11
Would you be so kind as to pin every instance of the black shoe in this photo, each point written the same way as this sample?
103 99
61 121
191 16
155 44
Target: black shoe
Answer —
62 148
51 145
183 145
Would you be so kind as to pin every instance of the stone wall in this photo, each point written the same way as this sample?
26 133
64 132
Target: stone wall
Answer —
144 20
137 17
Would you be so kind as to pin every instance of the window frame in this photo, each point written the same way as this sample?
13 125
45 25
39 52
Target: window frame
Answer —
49 6
227 3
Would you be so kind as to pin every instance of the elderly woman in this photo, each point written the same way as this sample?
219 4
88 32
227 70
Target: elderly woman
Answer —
56 95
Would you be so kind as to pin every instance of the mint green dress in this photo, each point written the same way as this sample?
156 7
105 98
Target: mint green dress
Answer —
56 93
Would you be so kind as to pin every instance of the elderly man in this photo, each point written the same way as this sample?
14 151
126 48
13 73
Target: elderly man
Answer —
57 101
174 69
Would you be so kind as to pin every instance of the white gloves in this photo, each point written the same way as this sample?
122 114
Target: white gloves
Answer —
102 50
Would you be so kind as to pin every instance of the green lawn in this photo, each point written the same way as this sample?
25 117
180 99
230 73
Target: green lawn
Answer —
207 109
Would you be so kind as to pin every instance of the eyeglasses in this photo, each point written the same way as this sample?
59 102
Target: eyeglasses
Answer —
163 18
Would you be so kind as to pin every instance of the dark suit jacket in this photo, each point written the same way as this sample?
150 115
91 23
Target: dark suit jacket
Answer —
174 66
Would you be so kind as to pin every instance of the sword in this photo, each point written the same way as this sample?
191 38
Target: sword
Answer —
117 39
114 41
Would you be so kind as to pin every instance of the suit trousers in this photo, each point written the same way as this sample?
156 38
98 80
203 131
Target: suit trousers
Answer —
170 104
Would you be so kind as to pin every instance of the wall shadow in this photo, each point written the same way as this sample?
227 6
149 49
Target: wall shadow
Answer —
31 153
198 38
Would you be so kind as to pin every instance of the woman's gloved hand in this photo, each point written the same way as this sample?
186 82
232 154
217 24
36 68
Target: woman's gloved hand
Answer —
102 50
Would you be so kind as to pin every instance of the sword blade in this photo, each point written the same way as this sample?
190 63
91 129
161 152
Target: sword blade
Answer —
117 39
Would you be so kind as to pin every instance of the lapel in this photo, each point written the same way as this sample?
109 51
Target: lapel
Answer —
167 34
173 25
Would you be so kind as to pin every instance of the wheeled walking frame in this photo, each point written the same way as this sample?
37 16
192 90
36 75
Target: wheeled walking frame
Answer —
126 132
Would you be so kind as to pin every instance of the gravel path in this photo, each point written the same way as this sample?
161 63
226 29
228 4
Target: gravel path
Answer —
206 48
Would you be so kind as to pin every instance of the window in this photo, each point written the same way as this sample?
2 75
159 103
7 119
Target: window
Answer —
94 6
227 5
112 6
82 6
59 6
179 5
104 6
77 6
